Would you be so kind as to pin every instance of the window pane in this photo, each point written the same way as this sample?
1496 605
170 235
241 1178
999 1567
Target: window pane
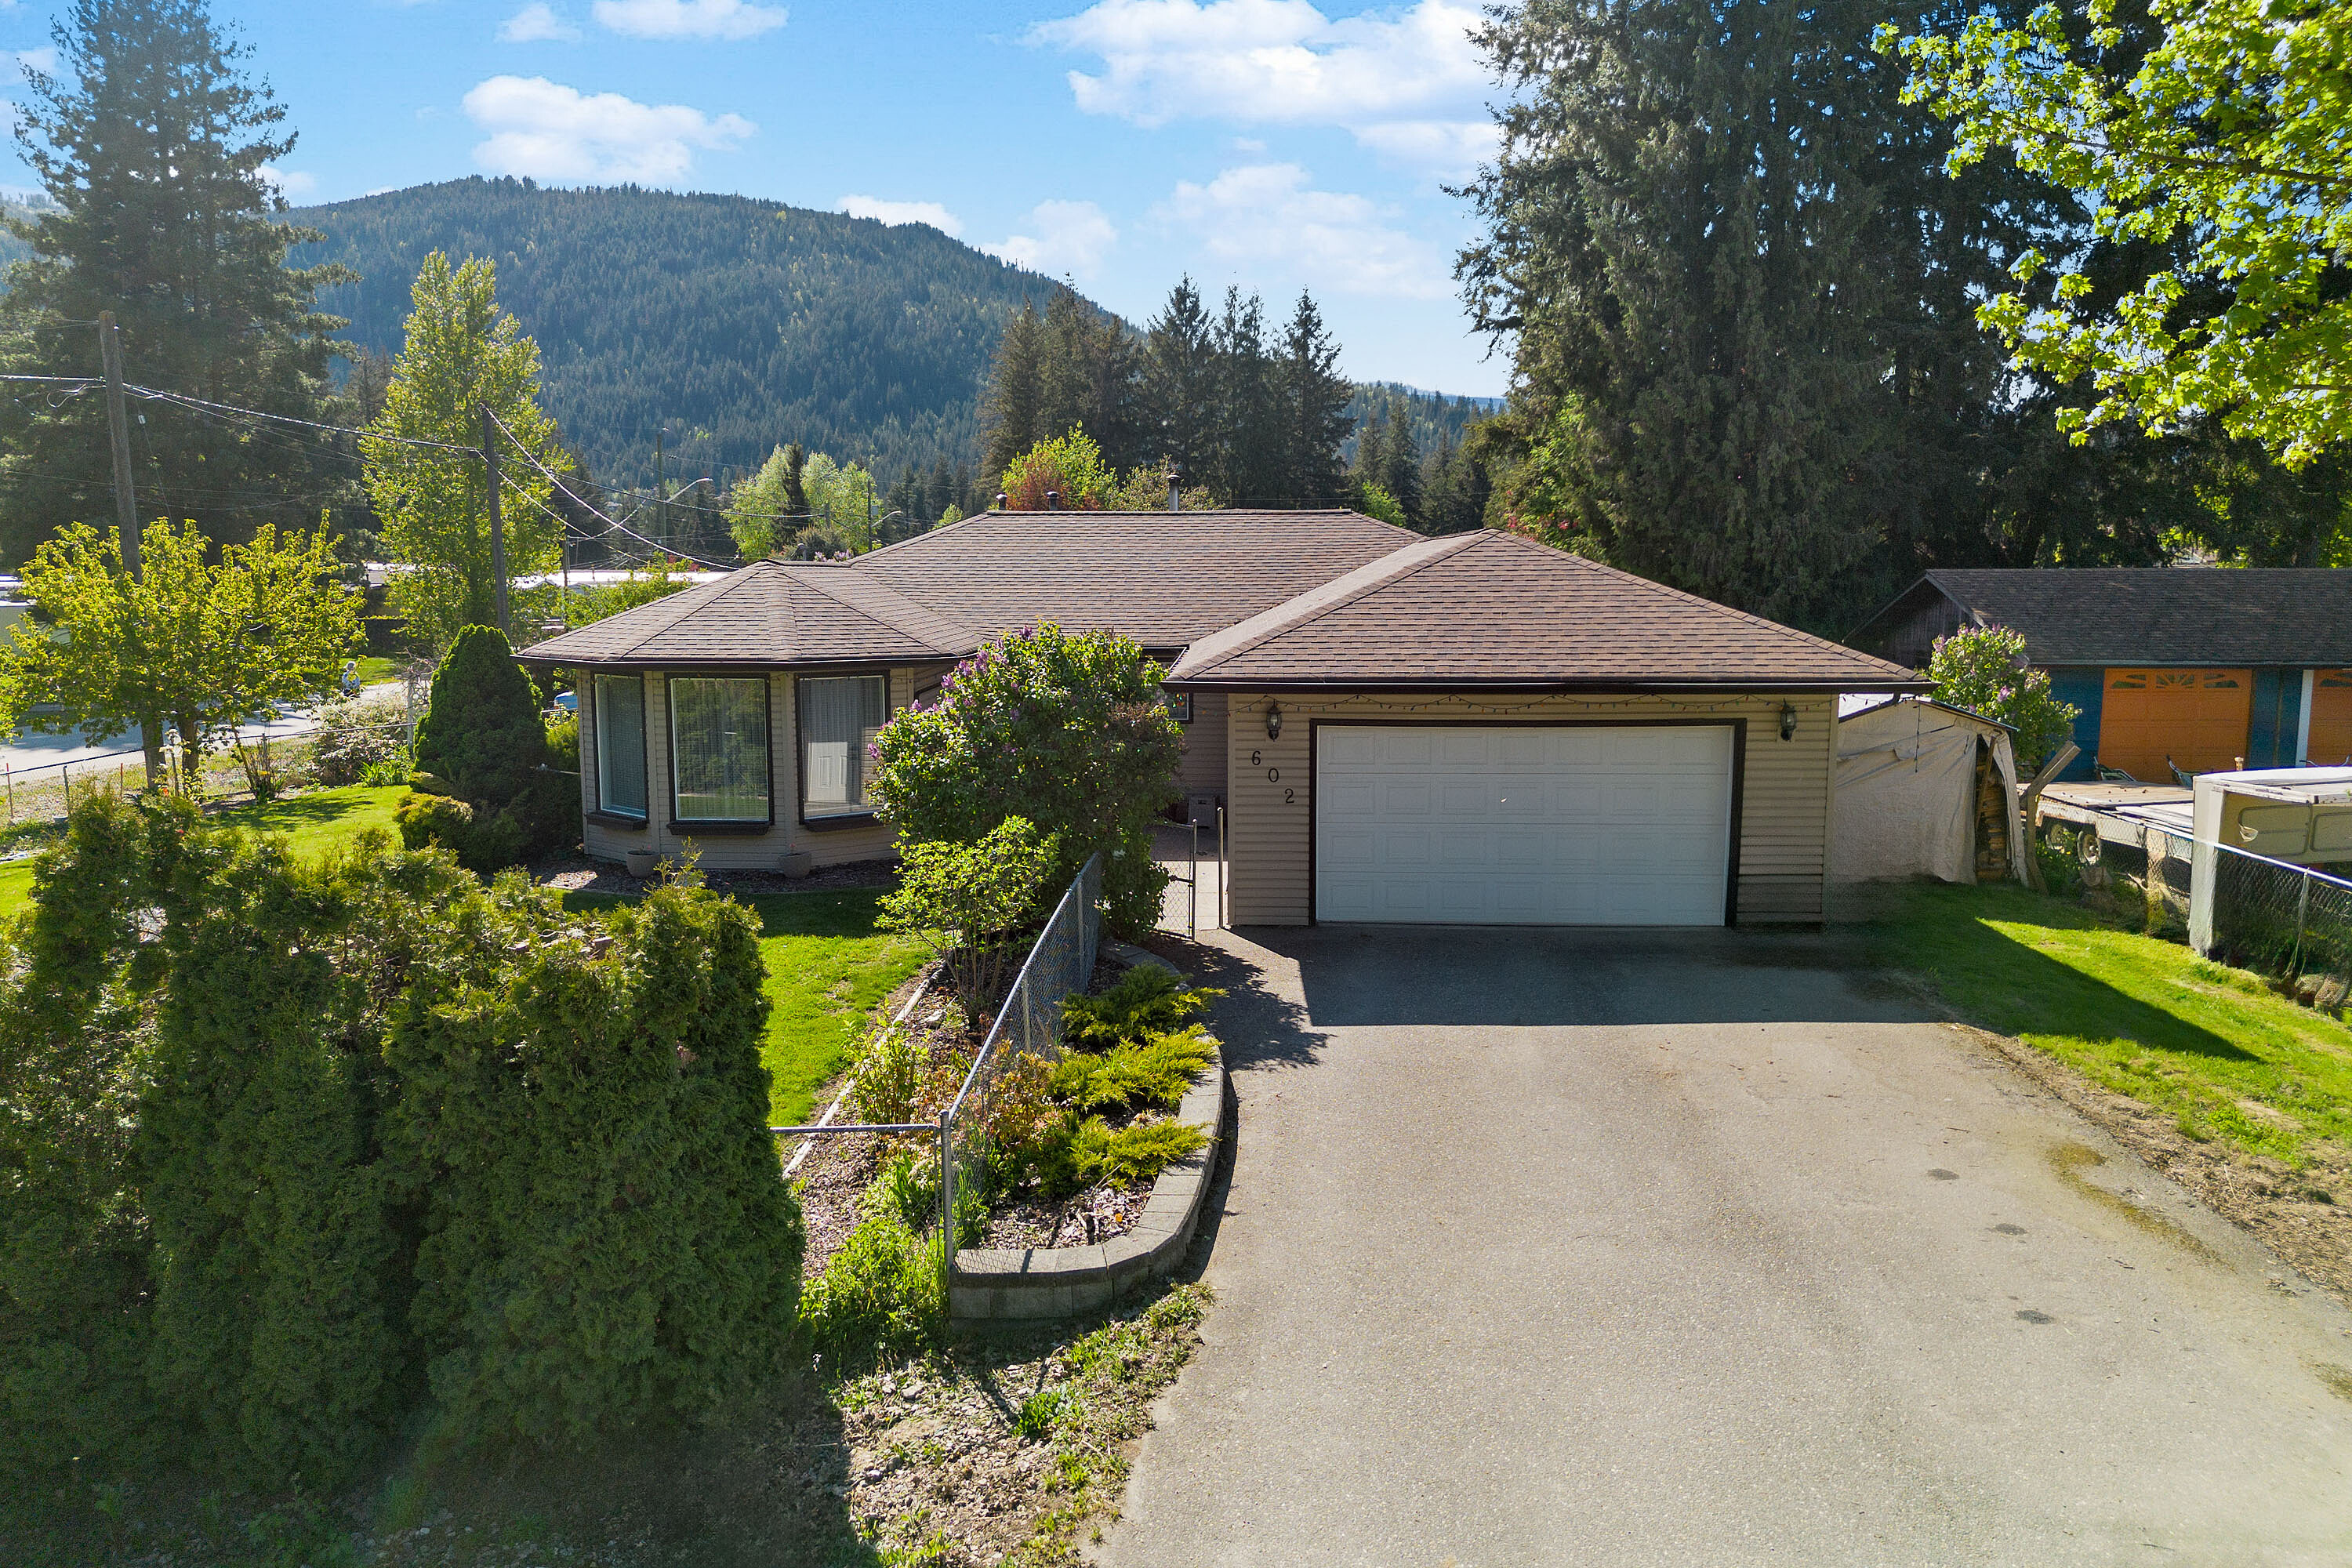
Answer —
620 743
840 716
719 746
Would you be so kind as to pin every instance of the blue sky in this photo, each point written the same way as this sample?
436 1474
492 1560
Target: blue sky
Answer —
1272 144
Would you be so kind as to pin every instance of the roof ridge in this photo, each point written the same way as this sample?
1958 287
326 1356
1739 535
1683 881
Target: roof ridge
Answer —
1296 612
719 590
875 585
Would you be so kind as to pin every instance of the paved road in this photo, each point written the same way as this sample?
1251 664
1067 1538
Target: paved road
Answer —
1570 1248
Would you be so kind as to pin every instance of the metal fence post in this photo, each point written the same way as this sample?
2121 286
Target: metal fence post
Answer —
947 1210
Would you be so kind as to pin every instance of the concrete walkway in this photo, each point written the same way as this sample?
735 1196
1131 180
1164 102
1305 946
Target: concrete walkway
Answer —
1579 1248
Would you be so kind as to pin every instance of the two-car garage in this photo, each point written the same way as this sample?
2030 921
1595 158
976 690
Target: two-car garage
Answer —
1524 824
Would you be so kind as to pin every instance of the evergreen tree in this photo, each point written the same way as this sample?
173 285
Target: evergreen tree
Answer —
1179 384
1251 437
1742 290
1400 472
1314 397
1015 403
151 141
463 354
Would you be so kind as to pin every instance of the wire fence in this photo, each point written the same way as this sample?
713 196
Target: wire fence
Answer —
2290 922
1027 1027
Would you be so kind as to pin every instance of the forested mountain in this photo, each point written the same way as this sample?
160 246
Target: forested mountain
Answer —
1435 419
728 324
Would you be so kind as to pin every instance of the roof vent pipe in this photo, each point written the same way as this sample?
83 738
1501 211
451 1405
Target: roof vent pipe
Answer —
1053 501
1175 488
999 500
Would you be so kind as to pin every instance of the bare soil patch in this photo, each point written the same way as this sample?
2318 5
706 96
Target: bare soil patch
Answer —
578 874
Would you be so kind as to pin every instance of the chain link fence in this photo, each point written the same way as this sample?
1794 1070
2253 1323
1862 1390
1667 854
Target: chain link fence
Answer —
1028 1025
2291 922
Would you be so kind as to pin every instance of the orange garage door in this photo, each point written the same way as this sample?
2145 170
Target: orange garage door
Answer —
2331 718
2196 717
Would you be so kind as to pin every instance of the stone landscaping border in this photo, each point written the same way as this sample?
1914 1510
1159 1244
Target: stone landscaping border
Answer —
1059 1281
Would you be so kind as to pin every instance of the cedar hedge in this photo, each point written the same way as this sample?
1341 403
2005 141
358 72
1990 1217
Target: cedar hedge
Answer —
289 1153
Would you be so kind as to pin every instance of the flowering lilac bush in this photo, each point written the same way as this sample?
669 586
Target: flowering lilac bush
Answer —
1983 668
1065 729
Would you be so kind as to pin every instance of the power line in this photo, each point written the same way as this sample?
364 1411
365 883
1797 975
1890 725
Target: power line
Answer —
553 478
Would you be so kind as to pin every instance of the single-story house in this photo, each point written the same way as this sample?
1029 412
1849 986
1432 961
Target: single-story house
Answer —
1924 789
1476 729
2212 667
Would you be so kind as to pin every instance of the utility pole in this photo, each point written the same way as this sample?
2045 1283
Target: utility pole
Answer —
661 508
498 528
126 513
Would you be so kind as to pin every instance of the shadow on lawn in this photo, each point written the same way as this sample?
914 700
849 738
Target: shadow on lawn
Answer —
2004 983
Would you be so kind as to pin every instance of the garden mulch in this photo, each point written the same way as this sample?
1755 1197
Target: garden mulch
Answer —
578 874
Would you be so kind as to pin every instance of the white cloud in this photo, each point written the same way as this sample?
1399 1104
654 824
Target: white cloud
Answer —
43 59
291 183
1071 237
1266 214
555 132
689 18
931 213
1404 82
537 23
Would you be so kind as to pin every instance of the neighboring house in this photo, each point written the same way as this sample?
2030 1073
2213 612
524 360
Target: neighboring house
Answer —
2213 667
1924 789
1476 729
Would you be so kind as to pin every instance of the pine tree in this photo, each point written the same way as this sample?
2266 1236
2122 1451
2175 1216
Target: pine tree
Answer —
1179 384
151 141
1314 397
1014 405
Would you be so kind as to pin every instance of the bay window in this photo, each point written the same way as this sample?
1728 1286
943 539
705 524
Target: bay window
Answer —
620 707
839 716
719 748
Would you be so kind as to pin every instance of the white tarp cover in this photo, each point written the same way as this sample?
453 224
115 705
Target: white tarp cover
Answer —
1906 797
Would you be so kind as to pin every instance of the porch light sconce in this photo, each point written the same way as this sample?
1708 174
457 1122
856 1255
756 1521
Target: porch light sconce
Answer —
1788 723
1272 722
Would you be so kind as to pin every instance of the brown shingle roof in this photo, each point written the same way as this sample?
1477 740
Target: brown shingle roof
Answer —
1166 579
1496 609
769 613
2149 614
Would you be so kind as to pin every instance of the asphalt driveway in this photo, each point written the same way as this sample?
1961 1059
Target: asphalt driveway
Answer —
1575 1248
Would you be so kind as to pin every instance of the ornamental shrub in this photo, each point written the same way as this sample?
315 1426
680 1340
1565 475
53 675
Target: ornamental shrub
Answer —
971 901
484 742
581 1119
482 731
1065 729
1984 669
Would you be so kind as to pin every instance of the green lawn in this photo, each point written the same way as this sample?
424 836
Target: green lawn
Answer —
827 968
312 824
375 668
2143 1017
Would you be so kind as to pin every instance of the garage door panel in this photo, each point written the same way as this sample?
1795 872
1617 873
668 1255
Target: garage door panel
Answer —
1523 824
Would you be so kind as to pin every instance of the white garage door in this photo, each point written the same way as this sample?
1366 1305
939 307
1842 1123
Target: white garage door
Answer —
1522 825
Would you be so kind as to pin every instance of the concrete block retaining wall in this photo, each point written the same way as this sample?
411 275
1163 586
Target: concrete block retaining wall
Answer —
1059 1281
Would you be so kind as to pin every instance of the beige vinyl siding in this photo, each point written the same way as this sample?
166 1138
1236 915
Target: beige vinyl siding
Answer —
1784 808
1202 769
735 851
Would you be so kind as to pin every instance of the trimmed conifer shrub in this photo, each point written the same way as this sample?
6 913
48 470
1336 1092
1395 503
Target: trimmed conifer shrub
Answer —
73 1238
482 732
583 1117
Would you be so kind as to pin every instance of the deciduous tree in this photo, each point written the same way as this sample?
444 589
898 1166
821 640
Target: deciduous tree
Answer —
463 354
201 640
